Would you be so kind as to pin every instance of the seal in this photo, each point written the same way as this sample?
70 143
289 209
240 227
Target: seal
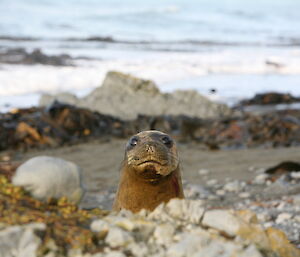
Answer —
150 172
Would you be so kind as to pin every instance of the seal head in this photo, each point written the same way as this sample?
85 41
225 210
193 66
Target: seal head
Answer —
150 172
151 155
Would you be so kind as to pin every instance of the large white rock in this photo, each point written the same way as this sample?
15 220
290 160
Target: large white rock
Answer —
50 177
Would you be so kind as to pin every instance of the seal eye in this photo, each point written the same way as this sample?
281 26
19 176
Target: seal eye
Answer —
133 141
167 141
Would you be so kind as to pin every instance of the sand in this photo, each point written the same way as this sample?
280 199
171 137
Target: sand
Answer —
101 162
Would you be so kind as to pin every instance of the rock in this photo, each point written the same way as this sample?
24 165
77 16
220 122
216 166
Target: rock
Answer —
99 226
244 195
47 99
50 177
220 192
117 237
222 220
282 186
191 210
115 254
280 244
251 251
163 234
187 246
212 182
233 186
283 168
20 241
282 217
261 179
270 98
296 199
124 96
203 172
194 191
140 249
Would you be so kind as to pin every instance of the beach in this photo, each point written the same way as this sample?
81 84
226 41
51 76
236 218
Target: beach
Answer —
78 79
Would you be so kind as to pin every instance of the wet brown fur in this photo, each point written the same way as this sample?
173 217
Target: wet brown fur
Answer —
150 174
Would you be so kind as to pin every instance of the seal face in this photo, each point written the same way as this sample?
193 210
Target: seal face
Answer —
150 172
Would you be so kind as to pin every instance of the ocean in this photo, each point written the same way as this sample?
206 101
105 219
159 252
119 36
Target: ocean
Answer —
237 47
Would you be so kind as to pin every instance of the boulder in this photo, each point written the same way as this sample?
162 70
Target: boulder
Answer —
49 177
126 97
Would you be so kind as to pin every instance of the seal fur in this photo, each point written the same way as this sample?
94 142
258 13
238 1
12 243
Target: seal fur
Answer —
150 172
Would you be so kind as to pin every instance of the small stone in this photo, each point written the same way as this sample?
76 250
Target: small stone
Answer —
116 237
259 171
244 195
190 210
140 249
261 179
282 217
115 254
295 175
220 192
296 199
250 251
212 182
121 222
297 218
163 234
185 247
203 172
233 186
196 191
264 217
222 220
99 226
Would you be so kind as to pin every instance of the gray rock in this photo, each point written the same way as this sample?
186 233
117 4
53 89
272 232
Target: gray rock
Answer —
234 186
50 177
20 241
194 191
48 99
124 96
282 186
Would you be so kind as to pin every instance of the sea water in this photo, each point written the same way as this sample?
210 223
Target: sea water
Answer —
237 47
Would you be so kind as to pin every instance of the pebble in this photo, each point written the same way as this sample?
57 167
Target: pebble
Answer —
203 172
282 217
115 254
211 182
233 186
220 192
222 220
99 226
261 179
244 195
163 234
116 237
